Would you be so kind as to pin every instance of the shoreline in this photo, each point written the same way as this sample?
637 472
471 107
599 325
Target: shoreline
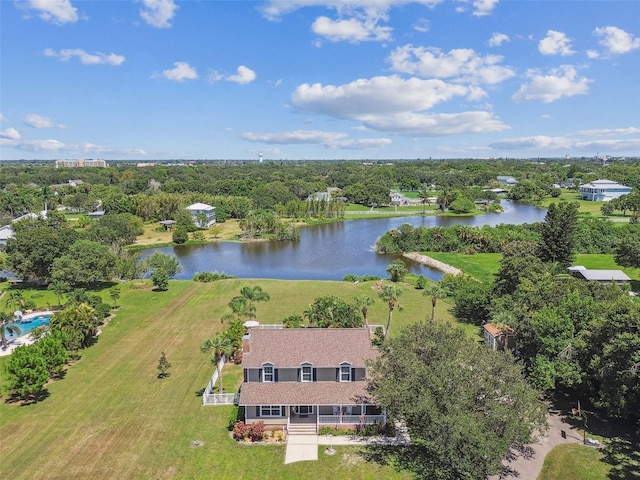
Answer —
432 262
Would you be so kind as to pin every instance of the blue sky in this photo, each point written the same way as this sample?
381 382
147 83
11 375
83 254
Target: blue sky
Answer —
315 79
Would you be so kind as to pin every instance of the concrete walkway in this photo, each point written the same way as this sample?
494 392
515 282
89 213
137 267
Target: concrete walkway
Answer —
301 448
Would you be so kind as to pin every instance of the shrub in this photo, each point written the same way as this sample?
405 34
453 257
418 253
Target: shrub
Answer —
421 282
180 235
234 418
350 278
240 431
210 277
256 431
336 431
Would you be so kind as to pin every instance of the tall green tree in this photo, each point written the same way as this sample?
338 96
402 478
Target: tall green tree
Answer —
6 326
169 263
332 312
465 406
59 287
363 302
435 292
558 234
253 295
27 372
221 346
390 294
627 252
79 323
397 270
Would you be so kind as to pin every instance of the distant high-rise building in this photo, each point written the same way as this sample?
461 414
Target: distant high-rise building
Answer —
80 163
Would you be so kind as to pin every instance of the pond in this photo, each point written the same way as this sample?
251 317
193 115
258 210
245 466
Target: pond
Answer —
329 251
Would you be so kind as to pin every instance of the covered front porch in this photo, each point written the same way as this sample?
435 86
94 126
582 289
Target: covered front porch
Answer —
336 415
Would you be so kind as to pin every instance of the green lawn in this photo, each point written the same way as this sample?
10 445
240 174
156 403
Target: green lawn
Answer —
575 462
481 266
110 417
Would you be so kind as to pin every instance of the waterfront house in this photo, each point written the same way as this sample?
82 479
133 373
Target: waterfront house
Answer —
603 190
306 378
200 209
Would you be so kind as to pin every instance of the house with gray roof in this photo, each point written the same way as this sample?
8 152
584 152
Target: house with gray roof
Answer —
602 276
306 378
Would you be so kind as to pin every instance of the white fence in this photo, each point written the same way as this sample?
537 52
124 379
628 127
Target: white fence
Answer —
209 398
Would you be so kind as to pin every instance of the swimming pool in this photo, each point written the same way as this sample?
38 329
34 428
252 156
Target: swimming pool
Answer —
29 322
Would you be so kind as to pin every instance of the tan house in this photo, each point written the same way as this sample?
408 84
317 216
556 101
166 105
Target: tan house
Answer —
499 337
308 378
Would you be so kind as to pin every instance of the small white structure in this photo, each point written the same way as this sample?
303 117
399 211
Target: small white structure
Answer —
507 180
199 209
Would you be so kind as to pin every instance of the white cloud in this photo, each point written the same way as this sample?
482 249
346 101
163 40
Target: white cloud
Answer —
532 143
592 54
498 39
609 131
52 145
10 134
3 118
53 11
350 30
334 140
463 64
483 7
245 75
549 144
180 72
422 25
560 82
275 9
616 40
85 58
395 105
38 121
158 13
555 43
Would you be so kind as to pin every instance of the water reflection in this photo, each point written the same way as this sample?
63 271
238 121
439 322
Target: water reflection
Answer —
328 252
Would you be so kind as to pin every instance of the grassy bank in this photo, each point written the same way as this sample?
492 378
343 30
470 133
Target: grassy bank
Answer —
574 461
110 417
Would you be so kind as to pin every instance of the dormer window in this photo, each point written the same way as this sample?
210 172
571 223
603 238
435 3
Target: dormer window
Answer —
345 372
306 372
267 372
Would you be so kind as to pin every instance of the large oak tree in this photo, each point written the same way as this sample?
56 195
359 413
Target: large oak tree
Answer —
465 406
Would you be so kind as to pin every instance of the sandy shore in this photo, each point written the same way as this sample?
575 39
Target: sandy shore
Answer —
433 263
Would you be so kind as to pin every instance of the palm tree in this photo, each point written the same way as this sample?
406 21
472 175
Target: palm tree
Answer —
362 302
58 287
390 294
16 299
424 194
253 294
436 292
221 346
5 327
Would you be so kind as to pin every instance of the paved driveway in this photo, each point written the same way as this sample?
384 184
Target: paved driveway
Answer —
301 448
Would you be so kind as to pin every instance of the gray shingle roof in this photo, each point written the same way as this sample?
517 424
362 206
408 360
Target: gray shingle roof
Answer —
323 347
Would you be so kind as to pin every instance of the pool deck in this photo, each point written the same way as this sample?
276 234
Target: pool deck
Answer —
14 343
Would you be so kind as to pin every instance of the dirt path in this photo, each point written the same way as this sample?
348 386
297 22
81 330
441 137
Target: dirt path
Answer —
432 262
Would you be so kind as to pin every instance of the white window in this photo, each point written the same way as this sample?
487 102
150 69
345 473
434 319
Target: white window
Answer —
267 372
307 372
303 409
270 411
345 372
